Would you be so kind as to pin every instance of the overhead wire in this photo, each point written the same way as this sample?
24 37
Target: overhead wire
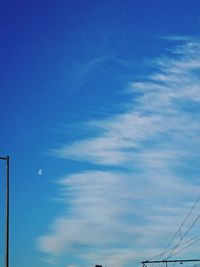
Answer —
179 231
171 253
189 245
180 245
184 221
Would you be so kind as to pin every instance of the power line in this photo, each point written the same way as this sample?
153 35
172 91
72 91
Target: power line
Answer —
184 221
177 246
189 245
171 253
179 230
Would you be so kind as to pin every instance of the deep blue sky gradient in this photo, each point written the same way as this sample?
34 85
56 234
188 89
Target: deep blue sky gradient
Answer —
50 79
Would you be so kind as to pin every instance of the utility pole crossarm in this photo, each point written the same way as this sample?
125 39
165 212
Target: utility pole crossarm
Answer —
166 261
145 263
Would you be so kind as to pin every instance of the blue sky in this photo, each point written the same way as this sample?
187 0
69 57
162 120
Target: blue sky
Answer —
104 98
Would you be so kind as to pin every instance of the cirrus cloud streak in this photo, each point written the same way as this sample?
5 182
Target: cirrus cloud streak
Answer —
146 170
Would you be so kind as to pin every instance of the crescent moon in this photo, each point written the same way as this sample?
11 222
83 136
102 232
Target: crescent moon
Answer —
40 172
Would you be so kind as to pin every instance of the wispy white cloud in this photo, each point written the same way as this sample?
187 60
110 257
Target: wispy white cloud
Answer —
129 210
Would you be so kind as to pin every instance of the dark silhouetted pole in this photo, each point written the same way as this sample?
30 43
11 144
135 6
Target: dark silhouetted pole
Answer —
7 210
7 159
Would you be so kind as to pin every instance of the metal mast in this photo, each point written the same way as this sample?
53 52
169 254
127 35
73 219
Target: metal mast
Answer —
7 159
